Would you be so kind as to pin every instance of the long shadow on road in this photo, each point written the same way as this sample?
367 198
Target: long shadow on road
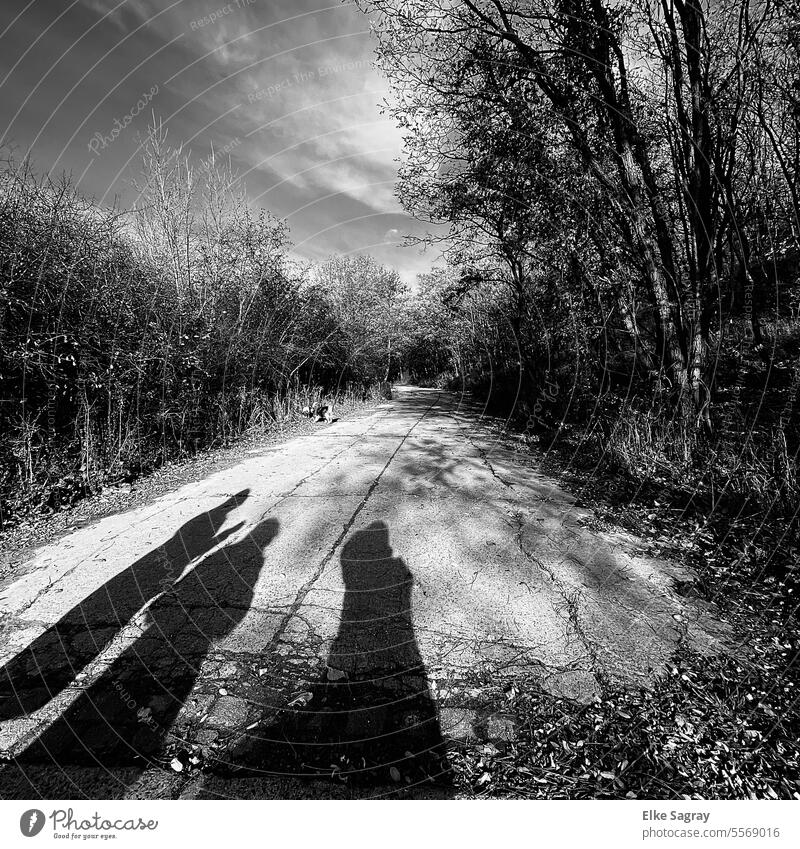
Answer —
52 661
128 715
370 715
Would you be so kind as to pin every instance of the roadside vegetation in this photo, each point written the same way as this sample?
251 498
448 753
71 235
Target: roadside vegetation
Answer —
132 337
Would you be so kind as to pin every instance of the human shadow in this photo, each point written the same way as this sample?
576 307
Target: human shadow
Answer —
129 713
45 667
371 714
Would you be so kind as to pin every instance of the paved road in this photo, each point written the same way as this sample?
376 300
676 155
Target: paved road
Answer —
344 595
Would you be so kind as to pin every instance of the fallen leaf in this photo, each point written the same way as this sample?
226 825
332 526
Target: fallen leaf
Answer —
301 699
336 674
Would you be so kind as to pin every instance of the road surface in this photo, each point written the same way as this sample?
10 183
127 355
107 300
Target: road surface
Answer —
334 602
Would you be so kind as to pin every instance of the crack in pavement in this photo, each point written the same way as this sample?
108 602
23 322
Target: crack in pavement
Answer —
484 455
305 588
572 603
570 597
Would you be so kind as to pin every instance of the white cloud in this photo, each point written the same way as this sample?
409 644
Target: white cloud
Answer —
295 87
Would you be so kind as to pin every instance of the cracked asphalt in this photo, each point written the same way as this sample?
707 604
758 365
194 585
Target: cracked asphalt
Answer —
327 604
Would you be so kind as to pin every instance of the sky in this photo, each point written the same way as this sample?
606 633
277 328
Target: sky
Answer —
286 88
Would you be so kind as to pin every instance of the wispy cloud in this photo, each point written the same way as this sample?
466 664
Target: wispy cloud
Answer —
126 14
287 87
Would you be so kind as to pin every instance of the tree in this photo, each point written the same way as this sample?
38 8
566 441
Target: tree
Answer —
367 301
649 109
